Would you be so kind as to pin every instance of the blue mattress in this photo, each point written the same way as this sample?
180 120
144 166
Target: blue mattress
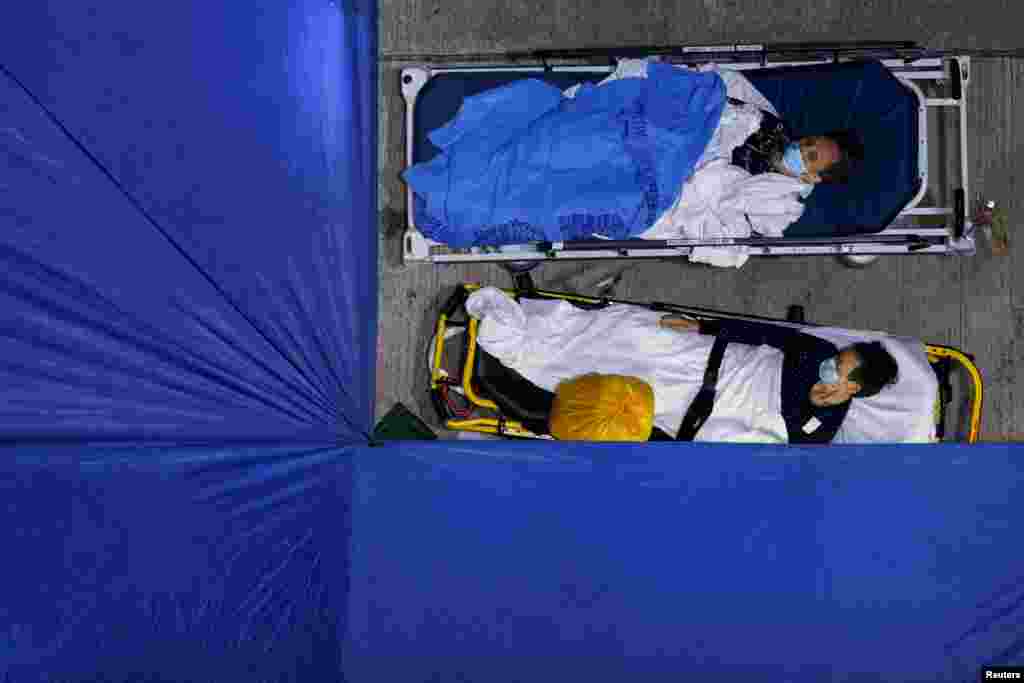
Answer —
813 99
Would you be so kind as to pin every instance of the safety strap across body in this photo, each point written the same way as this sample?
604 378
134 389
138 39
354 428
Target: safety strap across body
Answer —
702 405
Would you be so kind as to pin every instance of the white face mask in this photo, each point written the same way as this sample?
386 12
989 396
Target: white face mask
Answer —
828 371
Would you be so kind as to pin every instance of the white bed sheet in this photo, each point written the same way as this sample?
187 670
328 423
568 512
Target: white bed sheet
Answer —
548 341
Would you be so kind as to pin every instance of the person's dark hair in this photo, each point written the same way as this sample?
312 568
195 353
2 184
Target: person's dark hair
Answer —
851 153
877 368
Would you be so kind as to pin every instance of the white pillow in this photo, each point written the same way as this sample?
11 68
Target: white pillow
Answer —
902 412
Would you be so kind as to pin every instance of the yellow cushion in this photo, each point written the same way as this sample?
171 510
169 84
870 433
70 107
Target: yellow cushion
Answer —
603 408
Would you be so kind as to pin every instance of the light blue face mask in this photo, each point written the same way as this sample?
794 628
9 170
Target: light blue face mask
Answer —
828 371
793 160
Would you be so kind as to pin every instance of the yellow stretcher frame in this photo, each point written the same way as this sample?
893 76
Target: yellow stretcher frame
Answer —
515 429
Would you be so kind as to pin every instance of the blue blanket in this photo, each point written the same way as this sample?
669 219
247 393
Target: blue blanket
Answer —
522 163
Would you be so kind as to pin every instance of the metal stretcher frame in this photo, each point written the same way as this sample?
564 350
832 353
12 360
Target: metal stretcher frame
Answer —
485 416
911 64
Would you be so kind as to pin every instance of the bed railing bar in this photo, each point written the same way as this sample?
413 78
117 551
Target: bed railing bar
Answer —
892 240
906 51
729 47
795 57
851 45
527 68
905 225
922 146
639 245
834 249
921 73
962 68
915 241
915 66
942 102
532 68
922 76
927 211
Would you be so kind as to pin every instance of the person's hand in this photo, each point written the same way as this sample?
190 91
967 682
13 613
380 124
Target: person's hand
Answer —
827 394
678 322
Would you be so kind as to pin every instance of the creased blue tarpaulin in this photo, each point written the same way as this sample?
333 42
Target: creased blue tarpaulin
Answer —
187 336
186 197
187 328
177 564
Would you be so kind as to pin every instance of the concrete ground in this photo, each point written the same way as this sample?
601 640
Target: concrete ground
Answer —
975 303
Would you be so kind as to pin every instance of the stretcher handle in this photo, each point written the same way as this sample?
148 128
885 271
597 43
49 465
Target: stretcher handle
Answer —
956 81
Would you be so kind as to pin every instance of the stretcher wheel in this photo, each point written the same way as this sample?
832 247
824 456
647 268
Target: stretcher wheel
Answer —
858 260
796 314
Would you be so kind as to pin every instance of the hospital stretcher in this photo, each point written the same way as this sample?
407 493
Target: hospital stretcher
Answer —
473 392
910 196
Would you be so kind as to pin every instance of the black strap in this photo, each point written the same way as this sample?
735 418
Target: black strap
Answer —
704 402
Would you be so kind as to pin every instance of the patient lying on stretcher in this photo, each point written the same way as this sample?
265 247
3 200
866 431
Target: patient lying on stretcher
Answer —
774 383
818 379
812 159
524 163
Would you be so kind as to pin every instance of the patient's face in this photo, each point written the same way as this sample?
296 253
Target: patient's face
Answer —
819 153
833 394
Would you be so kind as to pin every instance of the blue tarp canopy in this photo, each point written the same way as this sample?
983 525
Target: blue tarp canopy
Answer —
188 493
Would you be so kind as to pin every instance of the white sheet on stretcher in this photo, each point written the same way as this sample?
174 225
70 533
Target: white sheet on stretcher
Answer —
548 341
721 201
551 341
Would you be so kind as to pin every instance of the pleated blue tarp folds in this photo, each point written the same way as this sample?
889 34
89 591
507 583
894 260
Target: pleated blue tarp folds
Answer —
187 330
188 297
177 564
187 195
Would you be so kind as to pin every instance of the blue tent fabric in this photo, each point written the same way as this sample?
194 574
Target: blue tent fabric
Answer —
181 564
685 562
187 339
186 195
188 287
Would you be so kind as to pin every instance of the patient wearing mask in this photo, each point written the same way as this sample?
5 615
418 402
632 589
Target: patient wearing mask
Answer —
828 158
819 380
